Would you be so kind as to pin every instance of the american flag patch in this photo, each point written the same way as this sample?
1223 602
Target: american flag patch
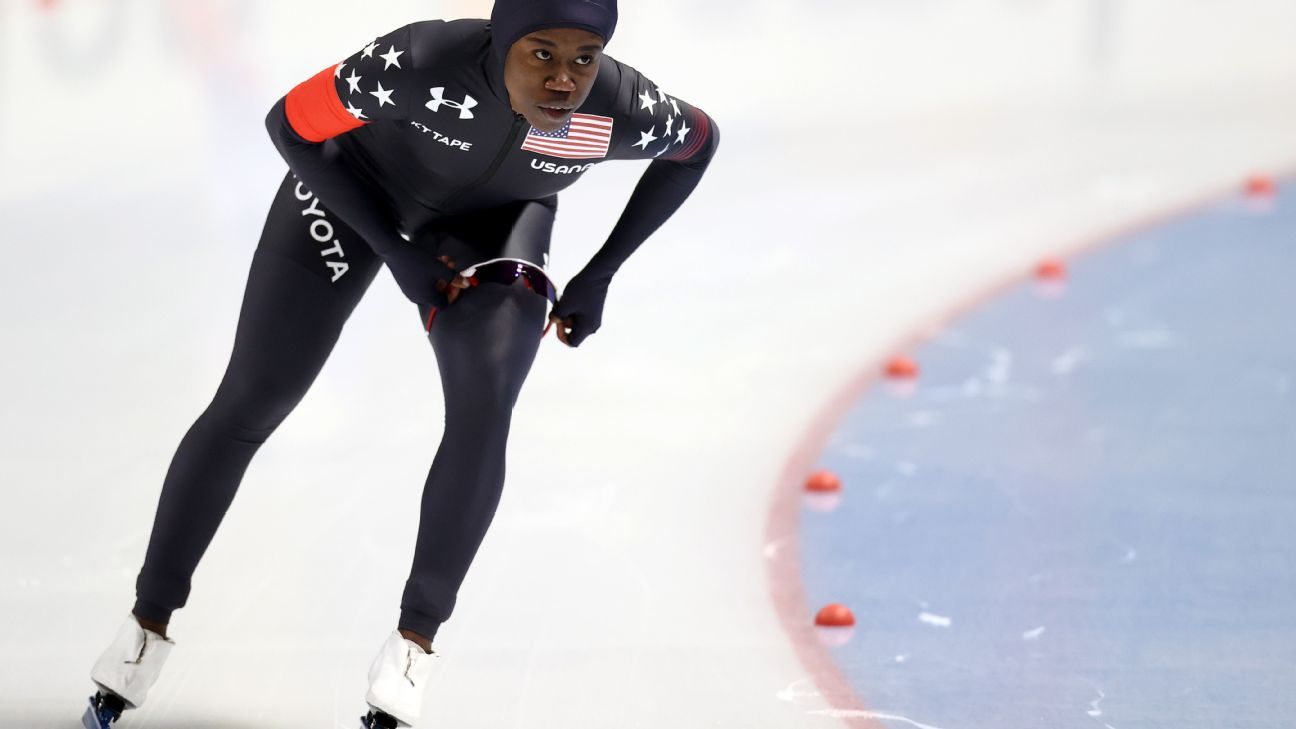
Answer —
585 136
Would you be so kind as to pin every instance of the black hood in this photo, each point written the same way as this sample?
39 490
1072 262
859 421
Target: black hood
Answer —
512 19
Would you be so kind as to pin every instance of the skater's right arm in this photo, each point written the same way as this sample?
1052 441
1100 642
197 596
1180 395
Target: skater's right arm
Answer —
314 112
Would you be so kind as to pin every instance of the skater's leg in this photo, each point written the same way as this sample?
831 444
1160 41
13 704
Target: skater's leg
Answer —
485 343
302 286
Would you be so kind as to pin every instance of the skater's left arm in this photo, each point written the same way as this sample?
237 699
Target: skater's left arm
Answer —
681 139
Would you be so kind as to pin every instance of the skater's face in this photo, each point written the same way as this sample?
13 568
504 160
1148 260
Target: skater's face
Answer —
549 73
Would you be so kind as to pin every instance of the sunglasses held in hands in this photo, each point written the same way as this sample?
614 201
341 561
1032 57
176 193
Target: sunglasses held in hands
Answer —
508 271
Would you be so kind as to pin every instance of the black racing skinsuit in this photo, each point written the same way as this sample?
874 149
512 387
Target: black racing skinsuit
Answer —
441 166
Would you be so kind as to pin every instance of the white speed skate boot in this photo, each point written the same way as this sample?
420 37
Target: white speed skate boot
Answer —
397 678
125 673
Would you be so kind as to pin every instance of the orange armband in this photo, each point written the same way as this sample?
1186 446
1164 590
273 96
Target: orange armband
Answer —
315 111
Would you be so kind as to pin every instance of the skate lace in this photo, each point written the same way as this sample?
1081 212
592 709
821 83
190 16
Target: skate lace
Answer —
410 659
140 657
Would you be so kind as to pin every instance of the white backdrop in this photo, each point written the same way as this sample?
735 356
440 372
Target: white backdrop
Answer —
882 162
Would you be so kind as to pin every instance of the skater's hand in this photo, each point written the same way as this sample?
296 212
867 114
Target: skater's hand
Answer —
458 284
424 278
579 313
564 326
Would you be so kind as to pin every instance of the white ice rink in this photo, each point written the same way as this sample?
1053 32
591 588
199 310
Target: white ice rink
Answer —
883 162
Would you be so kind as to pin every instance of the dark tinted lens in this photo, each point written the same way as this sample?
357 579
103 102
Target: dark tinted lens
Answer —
541 285
506 272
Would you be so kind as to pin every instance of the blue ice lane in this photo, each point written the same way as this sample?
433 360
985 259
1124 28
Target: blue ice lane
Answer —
1085 516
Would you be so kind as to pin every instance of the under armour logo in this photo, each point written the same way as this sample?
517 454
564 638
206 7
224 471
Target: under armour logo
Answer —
439 100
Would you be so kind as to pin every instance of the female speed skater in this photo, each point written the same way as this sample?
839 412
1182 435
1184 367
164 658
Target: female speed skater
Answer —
437 150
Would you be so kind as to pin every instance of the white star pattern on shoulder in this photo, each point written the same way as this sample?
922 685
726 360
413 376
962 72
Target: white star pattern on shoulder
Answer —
354 81
384 96
355 112
337 73
675 106
369 50
683 132
647 101
646 138
670 121
390 57
661 96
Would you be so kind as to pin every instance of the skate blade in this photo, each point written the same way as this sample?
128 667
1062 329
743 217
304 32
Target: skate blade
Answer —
369 721
90 720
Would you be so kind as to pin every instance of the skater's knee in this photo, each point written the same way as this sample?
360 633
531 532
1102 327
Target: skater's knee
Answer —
251 409
488 399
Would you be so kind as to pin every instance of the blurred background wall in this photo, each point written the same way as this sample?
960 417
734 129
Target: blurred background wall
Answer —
137 84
